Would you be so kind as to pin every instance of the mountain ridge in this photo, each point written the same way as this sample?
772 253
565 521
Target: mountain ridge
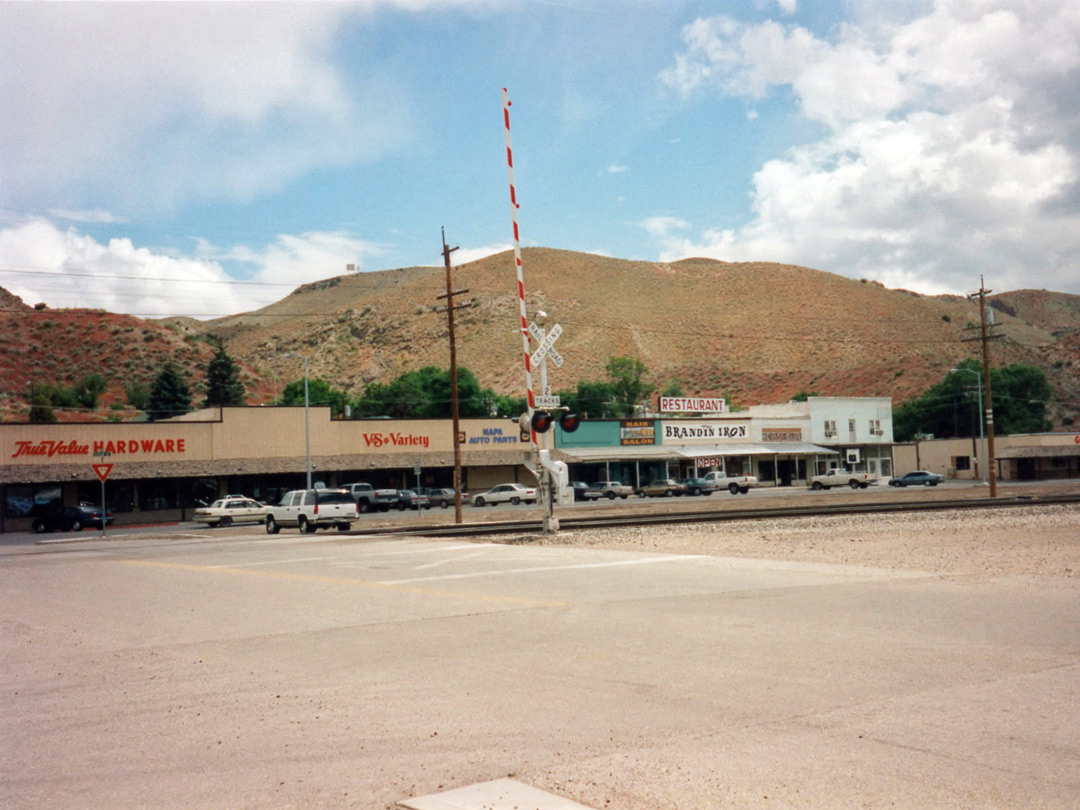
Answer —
755 331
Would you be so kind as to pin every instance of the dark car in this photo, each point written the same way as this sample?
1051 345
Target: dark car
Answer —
698 486
919 478
442 496
579 488
409 499
71 519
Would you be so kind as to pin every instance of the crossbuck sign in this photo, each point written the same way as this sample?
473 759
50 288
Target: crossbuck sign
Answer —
546 349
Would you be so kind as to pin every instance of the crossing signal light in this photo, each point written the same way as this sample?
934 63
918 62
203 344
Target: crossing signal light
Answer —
541 421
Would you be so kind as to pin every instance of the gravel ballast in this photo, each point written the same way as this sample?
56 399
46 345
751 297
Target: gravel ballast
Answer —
1035 540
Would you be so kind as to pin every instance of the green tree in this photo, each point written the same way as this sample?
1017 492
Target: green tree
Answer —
594 400
40 410
627 376
138 395
673 389
89 389
169 394
1021 394
426 393
223 384
320 393
59 396
951 407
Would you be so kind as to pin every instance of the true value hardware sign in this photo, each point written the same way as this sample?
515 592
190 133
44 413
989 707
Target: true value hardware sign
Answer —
62 449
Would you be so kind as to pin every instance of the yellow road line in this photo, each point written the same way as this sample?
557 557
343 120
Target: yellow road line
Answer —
482 597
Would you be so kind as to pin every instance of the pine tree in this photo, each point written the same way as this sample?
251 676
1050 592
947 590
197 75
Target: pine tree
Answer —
223 385
169 394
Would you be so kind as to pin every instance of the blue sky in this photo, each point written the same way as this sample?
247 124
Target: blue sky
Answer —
153 155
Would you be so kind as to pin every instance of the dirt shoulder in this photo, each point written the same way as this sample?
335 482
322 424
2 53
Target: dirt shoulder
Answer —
1035 540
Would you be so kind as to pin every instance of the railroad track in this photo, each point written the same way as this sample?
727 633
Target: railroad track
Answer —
534 526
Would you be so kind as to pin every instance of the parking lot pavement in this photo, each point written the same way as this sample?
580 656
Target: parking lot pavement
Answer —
326 671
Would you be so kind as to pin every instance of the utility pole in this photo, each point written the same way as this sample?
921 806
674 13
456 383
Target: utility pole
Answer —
985 336
450 307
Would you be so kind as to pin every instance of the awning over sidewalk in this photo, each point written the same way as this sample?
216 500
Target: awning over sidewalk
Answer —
764 449
643 452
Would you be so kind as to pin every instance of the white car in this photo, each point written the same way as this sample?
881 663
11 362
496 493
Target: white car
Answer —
506 493
229 510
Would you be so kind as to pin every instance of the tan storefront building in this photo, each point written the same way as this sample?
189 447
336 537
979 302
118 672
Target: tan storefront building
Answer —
1028 457
163 470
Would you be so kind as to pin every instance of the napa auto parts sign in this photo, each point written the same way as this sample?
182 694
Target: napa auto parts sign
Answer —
53 448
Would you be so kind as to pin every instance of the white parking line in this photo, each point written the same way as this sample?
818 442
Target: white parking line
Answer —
533 569
272 562
450 560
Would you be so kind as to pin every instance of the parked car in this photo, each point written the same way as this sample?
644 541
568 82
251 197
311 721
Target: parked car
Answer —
919 478
662 488
579 488
369 499
411 499
735 484
71 519
311 509
839 476
698 486
506 493
442 496
229 510
608 489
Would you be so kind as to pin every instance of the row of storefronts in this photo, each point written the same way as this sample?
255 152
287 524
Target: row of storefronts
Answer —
162 471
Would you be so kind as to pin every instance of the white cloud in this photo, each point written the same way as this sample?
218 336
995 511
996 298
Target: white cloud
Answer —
466 255
149 105
663 226
951 146
65 268
613 169
96 215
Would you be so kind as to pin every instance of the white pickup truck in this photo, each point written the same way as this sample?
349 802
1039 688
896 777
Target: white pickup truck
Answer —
369 499
840 476
735 484
311 509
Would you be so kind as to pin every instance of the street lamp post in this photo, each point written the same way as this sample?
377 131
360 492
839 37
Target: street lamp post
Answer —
307 418
982 435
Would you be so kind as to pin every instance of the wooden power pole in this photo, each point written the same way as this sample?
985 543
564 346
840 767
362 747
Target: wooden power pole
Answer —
450 307
985 336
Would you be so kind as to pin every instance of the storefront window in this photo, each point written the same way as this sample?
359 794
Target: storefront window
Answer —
198 491
155 495
119 495
31 500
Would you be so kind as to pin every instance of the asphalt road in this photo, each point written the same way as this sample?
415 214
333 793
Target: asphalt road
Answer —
238 670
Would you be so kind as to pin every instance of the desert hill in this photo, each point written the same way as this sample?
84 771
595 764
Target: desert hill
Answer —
758 332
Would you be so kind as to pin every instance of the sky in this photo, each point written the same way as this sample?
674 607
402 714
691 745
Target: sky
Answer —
205 159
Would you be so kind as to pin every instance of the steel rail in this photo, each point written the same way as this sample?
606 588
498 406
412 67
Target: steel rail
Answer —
650 519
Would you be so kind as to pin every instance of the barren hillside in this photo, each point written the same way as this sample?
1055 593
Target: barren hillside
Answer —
759 332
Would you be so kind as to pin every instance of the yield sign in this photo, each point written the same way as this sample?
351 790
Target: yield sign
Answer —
102 471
